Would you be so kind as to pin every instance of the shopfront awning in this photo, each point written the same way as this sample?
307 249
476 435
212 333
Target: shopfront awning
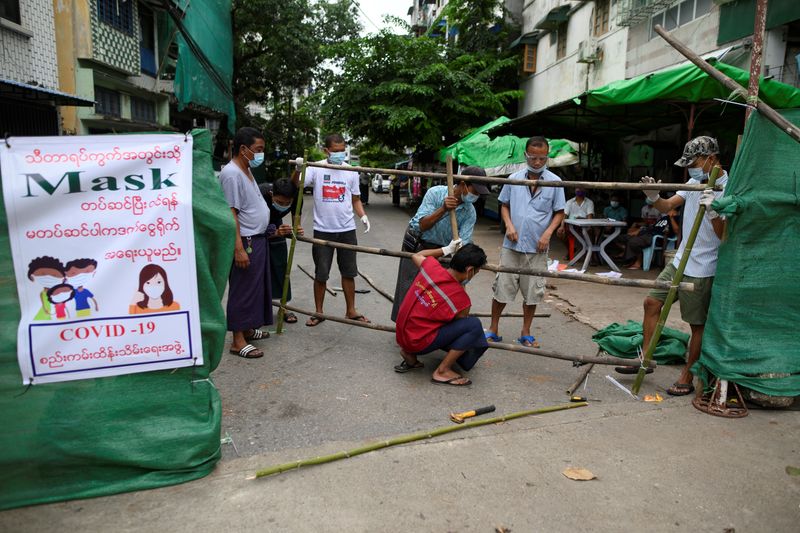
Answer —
647 102
33 93
556 16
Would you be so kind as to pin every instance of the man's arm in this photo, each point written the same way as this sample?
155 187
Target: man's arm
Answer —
240 257
505 215
544 241
668 204
358 207
420 256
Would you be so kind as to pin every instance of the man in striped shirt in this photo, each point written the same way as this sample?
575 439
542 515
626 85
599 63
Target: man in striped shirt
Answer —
700 155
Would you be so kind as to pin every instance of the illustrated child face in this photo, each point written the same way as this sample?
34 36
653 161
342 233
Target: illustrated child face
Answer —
61 294
78 277
154 287
47 277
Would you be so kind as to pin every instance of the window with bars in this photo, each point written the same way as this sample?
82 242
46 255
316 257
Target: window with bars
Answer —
106 102
143 109
116 13
561 41
601 15
679 14
529 59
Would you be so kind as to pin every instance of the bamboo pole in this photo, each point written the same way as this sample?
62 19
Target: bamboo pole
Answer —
423 435
756 54
374 286
581 377
453 220
770 114
608 186
311 276
509 314
298 210
576 276
673 290
600 360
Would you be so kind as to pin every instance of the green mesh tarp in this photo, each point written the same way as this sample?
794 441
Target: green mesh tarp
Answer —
208 22
622 340
755 302
95 437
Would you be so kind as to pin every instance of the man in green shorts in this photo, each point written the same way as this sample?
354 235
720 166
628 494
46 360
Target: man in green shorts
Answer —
700 155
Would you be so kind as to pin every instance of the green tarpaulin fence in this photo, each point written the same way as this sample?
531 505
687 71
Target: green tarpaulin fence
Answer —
755 302
95 437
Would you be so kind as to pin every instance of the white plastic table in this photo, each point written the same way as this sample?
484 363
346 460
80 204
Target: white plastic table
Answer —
587 246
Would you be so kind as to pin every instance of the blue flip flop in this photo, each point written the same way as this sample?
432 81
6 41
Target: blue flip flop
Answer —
530 340
492 336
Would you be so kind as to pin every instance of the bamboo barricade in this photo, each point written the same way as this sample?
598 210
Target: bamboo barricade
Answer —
673 290
770 114
640 283
453 220
423 435
298 210
598 359
608 186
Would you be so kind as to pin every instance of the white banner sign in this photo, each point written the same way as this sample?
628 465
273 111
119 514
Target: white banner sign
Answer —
103 248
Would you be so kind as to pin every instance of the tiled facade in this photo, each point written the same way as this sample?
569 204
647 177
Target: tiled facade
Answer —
28 50
116 48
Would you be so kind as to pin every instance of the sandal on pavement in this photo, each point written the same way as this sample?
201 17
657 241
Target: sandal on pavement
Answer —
528 341
680 389
404 367
257 335
452 381
358 318
248 352
290 318
492 336
314 321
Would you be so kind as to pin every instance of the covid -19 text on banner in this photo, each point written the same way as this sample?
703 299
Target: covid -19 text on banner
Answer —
103 251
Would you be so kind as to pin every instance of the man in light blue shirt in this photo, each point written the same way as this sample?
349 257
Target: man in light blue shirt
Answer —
531 215
430 226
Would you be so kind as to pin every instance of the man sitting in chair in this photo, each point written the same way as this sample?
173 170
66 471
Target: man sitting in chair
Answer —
641 237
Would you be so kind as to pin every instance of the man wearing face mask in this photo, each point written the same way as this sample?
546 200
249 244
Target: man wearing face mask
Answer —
249 293
700 155
281 201
531 216
434 314
336 198
430 227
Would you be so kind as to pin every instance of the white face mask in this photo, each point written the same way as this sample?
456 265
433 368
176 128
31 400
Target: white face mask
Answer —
79 280
60 297
153 290
47 281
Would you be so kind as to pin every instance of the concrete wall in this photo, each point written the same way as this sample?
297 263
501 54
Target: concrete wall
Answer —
556 79
28 50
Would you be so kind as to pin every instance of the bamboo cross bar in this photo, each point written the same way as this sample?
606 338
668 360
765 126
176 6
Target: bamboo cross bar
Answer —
597 359
576 276
608 186
411 438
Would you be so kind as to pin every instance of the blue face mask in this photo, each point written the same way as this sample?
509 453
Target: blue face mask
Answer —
697 174
258 158
466 281
337 158
281 208
469 198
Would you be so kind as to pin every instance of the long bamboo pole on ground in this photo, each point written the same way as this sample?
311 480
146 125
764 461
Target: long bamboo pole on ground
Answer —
673 290
600 360
640 283
453 220
372 284
423 435
608 186
298 210
770 114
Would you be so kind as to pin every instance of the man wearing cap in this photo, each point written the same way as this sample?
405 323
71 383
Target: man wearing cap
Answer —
430 227
531 215
700 155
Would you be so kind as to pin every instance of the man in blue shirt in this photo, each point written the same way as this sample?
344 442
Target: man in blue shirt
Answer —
430 227
531 215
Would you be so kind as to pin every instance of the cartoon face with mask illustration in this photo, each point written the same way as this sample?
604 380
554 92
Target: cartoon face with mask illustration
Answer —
58 296
46 272
80 273
154 294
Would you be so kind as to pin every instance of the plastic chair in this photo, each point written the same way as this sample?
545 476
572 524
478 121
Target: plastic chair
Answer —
649 252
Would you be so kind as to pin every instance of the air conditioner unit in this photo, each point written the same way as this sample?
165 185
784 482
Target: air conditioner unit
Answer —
589 51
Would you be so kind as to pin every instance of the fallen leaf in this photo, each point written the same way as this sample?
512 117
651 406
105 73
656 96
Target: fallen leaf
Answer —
578 474
793 471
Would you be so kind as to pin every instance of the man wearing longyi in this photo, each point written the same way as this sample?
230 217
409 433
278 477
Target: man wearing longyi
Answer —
434 314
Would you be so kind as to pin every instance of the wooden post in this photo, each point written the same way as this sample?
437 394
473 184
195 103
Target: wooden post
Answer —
453 221
756 54
298 210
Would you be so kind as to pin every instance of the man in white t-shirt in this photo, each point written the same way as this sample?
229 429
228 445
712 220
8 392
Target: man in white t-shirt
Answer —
336 198
700 155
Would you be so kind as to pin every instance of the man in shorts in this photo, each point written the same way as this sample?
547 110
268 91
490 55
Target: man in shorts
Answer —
531 215
336 198
700 155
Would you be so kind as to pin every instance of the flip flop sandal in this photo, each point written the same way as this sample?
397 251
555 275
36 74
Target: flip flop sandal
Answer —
290 318
257 335
314 321
248 352
528 341
631 370
492 336
404 367
452 382
358 318
680 389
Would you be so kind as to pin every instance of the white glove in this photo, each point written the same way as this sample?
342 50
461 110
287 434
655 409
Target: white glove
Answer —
651 194
298 163
365 221
706 197
453 247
